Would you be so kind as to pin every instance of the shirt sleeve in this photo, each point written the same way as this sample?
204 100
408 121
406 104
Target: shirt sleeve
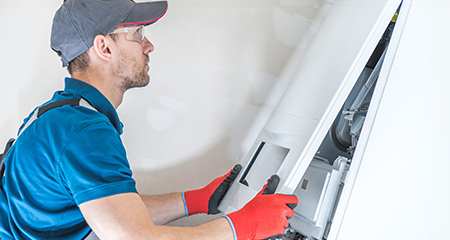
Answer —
94 164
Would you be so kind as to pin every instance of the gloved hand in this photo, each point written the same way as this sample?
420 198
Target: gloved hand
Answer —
207 199
266 215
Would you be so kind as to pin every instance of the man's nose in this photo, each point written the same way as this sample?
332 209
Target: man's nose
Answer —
147 46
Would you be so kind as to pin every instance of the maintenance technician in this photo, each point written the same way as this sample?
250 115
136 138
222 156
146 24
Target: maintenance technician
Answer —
67 175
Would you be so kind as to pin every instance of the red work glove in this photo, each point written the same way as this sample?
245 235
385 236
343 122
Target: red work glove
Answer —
207 199
266 215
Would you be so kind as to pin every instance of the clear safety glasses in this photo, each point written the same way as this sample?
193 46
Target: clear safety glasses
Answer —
135 33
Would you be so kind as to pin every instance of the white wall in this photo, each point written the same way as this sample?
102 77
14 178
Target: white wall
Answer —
218 70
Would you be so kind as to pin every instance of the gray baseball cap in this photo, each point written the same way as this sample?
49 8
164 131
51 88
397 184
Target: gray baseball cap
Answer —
77 22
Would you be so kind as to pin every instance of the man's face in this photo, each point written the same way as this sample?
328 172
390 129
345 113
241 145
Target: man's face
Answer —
132 62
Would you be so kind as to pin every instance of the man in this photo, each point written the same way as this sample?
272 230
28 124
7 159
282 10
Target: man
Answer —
67 175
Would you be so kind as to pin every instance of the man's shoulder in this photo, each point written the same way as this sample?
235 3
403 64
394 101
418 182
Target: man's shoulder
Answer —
73 117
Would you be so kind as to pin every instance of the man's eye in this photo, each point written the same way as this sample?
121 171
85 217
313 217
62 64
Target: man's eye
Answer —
138 32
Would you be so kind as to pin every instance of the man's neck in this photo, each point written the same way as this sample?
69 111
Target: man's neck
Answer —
104 84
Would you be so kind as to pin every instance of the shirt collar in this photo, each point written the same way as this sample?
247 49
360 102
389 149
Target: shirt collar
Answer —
96 99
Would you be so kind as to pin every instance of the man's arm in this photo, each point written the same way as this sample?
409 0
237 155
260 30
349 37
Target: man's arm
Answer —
169 207
124 216
165 208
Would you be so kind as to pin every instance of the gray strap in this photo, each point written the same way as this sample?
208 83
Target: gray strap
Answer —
32 119
86 104
82 103
91 236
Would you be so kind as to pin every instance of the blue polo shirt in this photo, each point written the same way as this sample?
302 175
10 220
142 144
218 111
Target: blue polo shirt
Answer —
68 156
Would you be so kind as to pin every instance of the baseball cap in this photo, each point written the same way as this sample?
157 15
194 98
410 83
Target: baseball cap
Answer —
77 22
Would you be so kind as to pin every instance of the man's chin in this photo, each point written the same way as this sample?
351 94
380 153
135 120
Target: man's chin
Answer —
142 82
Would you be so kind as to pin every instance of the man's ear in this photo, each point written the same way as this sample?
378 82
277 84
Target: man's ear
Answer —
103 47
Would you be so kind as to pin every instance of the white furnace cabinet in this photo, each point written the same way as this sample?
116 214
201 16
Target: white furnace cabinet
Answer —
316 136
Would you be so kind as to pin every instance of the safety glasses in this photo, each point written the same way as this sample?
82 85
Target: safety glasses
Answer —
135 33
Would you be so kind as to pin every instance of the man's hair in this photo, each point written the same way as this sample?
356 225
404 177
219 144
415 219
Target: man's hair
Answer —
81 63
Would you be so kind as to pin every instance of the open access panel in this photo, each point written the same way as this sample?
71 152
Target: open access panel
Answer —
324 117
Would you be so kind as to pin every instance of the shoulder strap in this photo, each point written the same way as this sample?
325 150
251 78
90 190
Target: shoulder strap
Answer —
37 113
45 108
71 102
